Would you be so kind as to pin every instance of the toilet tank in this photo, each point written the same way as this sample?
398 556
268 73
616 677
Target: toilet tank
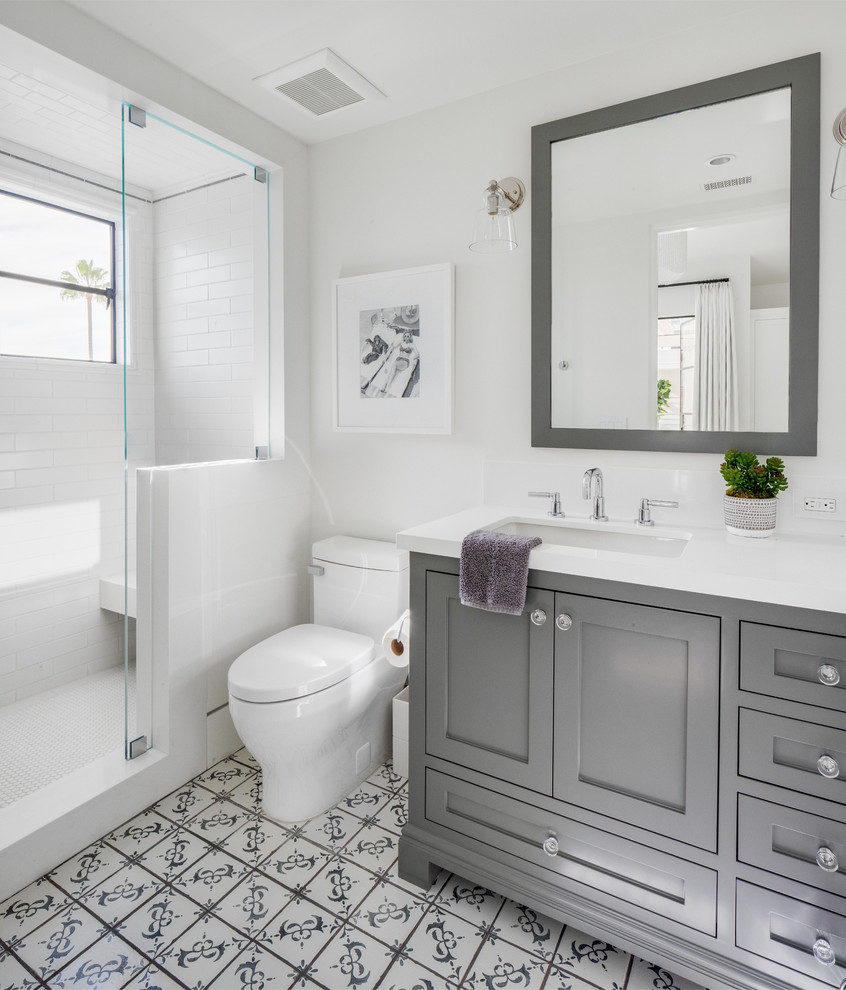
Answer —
363 587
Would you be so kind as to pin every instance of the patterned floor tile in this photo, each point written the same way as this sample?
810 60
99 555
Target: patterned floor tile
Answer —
393 816
500 964
298 932
470 901
184 803
218 821
647 976
202 952
444 943
406 975
86 869
387 778
564 979
60 940
591 958
528 929
389 914
351 961
365 801
157 922
295 862
14 975
122 892
225 775
340 886
332 830
153 978
110 962
174 854
211 877
253 904
255 968
255 839
140 833
373 848
29 908
246 757
248 795
221 896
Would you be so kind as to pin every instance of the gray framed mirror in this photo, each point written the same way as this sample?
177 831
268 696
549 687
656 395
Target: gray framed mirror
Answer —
675 268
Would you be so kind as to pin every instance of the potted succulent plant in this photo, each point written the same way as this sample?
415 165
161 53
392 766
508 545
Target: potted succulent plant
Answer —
750 502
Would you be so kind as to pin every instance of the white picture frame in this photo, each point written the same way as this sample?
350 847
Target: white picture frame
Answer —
393 351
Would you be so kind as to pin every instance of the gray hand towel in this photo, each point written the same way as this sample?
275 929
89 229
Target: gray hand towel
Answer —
493 570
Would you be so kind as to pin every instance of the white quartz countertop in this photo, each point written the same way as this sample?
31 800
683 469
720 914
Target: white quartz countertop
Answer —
802 571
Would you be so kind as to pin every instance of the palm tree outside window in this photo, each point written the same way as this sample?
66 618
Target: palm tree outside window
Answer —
56 282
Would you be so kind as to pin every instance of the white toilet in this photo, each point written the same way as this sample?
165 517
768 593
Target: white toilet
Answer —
313 703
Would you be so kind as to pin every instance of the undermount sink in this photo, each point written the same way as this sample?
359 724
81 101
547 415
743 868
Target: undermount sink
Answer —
589 539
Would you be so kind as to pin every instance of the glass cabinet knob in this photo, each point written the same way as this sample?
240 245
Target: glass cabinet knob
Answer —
564 621
828 674
538 616
550 846
827 860
824 953
828 766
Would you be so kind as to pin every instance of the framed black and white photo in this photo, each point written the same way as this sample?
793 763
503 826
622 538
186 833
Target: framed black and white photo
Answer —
393 339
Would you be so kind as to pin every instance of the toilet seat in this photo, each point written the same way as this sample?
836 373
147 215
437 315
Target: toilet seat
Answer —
298 662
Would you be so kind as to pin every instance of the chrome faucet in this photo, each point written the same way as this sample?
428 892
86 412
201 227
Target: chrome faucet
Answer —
592 488
555 510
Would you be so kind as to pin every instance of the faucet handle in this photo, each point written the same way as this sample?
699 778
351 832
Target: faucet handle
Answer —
643 516
555 509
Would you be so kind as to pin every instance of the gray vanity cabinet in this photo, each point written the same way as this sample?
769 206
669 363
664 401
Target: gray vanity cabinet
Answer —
637 714
489 685
622 699
659 768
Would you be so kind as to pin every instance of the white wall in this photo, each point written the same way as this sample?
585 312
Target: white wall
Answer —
380 484
205 322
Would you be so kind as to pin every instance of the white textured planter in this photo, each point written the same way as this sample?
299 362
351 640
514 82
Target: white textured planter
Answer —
754 517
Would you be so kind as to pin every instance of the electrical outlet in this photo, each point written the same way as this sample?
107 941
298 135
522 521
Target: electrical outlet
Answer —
816 504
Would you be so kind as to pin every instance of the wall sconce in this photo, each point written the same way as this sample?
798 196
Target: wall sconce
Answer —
838 183
494 227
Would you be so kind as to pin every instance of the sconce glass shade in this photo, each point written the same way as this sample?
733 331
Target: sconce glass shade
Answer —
494 232
838 183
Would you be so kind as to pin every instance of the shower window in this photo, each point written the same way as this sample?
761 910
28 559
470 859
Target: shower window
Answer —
56 282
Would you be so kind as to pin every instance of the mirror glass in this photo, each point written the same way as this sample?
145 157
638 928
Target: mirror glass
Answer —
669 242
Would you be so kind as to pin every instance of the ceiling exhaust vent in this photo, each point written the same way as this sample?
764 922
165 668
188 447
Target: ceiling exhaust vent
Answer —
742 180
320 83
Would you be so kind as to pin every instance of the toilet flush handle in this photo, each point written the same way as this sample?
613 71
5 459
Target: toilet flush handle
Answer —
316 570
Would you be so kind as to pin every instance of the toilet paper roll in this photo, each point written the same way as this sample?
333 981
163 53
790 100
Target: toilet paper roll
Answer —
395 642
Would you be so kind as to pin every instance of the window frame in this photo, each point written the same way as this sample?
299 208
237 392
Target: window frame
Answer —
109 293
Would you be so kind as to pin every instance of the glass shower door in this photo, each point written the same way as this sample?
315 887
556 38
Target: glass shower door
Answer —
195 322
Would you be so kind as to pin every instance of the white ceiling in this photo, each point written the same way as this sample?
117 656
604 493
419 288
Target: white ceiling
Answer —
419 53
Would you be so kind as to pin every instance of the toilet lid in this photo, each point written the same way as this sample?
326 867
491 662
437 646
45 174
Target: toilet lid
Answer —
297 662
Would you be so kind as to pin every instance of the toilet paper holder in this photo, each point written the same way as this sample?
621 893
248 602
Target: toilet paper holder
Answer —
397 645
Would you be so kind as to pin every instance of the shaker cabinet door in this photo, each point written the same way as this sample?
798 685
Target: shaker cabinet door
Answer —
637 715
489 685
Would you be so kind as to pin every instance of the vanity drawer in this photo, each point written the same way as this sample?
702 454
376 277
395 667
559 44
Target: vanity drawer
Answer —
794 754
634 873
793 664
792 843
786 930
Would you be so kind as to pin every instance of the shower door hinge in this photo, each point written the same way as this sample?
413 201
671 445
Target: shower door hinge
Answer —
262 453
137 747
260 174
137 116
